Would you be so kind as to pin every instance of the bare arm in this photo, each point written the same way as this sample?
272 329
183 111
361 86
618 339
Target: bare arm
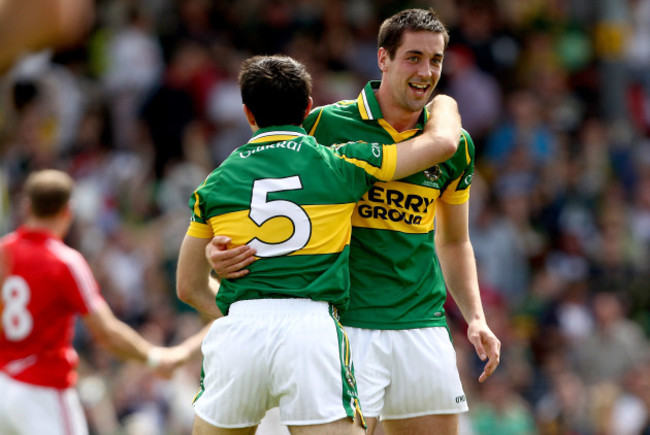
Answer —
458 265
194 285
116 336
124 342
437 143
183 352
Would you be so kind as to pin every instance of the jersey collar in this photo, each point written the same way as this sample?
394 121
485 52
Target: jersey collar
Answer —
277 133
36 233
369 106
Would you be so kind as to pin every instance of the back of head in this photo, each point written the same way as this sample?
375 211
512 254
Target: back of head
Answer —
48 192
276 89
409 20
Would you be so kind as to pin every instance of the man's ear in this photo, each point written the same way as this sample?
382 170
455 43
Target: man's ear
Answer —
382 59
310 104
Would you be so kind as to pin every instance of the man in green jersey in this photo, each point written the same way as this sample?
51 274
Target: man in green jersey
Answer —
404 359
279 342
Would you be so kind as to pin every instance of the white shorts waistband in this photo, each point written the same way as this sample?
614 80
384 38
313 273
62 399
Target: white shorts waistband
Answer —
277 306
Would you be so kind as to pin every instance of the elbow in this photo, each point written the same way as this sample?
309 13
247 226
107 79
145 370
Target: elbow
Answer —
448 145
184 292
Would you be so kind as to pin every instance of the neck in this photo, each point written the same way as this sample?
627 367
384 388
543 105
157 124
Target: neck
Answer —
54 225
399 118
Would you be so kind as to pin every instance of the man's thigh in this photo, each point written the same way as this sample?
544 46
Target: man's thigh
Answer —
339 427
425 425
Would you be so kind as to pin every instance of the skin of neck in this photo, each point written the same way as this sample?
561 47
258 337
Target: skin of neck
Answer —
399 118
59 224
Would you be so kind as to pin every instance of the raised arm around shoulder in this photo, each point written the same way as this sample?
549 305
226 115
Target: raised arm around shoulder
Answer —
437 143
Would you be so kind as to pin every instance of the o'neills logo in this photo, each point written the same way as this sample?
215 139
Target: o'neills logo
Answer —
433 173
288 144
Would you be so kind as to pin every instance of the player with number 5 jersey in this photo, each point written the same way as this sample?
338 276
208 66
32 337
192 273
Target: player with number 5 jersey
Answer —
291 200
270 194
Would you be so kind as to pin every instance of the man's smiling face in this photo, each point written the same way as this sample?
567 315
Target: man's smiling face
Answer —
415 69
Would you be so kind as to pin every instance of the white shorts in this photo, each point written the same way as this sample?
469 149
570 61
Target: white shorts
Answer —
32 409
290 353
406 373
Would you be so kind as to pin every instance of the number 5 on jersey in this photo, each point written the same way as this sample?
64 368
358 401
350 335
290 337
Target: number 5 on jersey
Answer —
263 210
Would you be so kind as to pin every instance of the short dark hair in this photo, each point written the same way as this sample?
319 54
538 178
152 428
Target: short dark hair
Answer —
48 191
393 28
276 89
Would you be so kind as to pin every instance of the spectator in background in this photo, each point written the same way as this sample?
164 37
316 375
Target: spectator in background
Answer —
134 67
630 410
523 130
476 91
621 339
502 411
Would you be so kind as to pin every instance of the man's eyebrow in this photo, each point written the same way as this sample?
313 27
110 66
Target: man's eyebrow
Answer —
421 53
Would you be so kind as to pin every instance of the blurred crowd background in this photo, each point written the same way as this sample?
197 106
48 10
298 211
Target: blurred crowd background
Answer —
555 93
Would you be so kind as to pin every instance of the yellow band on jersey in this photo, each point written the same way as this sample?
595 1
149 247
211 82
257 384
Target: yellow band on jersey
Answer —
330 232
387 171
199 230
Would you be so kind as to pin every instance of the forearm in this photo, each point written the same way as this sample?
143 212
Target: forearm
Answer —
124 342
116 336
438 142
203 298
193 343
459 270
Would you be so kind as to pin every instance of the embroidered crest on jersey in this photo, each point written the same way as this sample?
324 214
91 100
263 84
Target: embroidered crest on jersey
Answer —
433 173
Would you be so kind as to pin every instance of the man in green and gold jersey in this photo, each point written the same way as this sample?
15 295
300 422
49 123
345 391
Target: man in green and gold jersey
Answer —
400 267
277 340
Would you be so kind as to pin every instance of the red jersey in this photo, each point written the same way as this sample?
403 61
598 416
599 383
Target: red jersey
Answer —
46 284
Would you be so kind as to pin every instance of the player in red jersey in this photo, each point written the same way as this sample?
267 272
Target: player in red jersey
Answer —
44 285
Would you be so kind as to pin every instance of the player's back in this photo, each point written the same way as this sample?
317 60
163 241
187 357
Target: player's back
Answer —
291 199
46 284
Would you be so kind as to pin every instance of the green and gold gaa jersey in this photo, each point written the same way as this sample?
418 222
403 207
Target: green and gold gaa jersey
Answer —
291 199
396 280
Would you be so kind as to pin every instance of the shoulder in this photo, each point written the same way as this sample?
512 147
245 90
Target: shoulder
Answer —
466 149
8 239
466 139
323 114
71 258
